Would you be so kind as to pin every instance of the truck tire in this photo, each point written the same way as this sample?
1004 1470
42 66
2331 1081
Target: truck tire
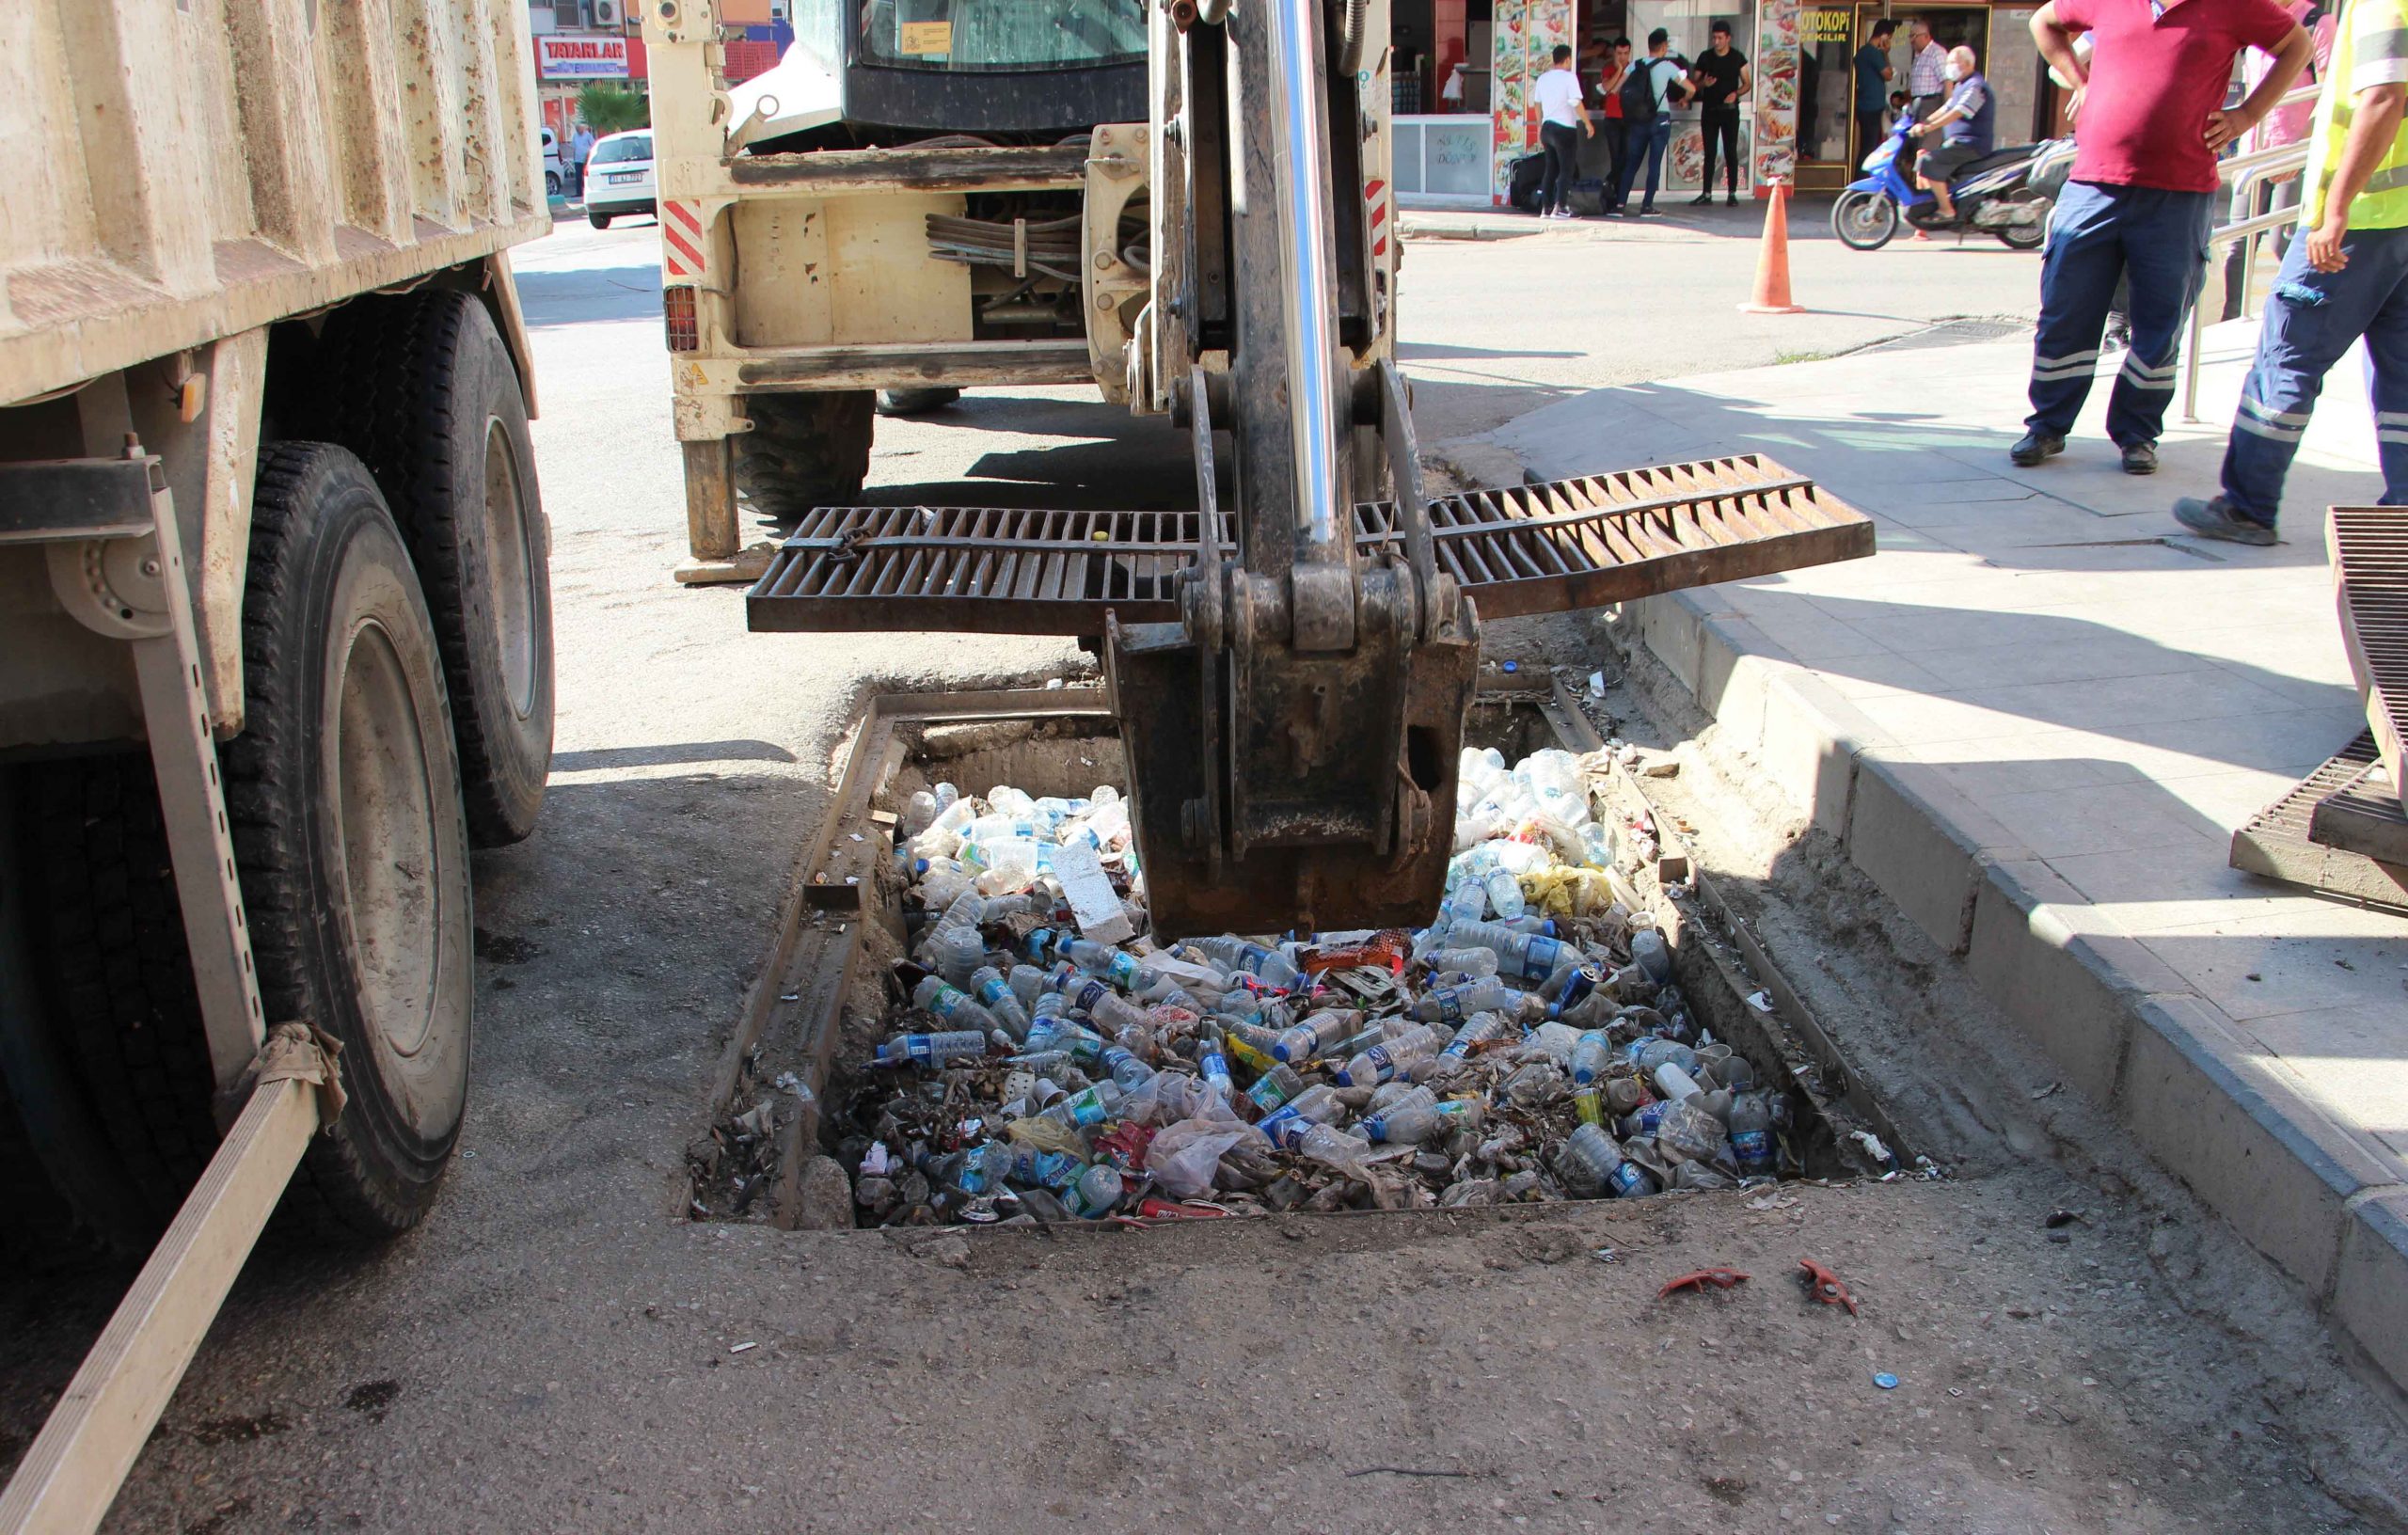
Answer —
422 389
916 402
805 451
101 1037
349 835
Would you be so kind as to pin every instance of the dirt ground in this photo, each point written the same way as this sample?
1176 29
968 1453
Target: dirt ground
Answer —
558 1349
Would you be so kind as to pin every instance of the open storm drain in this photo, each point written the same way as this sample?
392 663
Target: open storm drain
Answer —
967 1021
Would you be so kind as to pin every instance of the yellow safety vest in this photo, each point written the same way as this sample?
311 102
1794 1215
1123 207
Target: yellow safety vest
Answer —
2369 48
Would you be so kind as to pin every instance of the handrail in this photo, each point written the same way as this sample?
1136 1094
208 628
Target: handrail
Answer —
2243 173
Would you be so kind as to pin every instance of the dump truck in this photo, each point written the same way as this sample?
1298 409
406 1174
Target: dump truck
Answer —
274 643
932 194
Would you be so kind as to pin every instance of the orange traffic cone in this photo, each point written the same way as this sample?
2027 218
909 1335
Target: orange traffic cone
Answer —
1772 259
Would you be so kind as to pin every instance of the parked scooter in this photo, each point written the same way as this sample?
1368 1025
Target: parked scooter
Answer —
1993 195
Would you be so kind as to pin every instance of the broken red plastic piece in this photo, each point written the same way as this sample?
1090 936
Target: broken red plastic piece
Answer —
1823 1286
1720 1279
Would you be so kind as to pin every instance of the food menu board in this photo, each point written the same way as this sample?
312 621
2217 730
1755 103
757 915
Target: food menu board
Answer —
1775 140
1526 35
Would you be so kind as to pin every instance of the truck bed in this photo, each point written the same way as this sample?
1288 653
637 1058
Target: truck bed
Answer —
189 169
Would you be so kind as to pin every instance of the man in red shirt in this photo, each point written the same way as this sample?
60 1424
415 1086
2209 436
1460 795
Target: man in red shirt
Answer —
2149 118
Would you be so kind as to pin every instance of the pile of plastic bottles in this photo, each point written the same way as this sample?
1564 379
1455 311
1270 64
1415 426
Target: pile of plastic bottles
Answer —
1529 1045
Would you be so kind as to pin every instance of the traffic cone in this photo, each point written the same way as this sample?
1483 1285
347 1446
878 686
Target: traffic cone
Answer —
1772 259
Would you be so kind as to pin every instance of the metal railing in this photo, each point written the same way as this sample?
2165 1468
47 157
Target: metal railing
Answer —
2243 174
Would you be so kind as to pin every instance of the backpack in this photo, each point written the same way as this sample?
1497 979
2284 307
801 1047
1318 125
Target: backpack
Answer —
1638 92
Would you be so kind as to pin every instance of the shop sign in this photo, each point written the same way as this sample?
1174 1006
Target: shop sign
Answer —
559 58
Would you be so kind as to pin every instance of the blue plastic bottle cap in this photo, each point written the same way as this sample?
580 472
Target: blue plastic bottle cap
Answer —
1512 666
1886 1381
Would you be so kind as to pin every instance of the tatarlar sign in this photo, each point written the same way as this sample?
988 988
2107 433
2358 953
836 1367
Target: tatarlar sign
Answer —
581 59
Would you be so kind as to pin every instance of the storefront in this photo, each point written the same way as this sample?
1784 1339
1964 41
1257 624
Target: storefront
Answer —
565 62
1828 37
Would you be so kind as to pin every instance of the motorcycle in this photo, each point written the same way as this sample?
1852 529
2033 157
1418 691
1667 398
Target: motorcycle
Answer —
1994 194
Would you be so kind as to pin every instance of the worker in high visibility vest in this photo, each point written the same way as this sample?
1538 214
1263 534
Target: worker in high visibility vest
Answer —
2345 277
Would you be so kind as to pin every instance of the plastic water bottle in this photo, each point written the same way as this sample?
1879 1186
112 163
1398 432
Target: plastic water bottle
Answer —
1315 1034
1057 1033
1128 1071
1383 1060
1752 1135
1091 1107
1466 902
1504 894
1649 952
1471 961
944 836
1325 1144
1213 1065
1453 1003
1032 1167
1102 960
1593 1167
1481 1029
919 813
1317 1104
953 1006
1648 1052
1275 1088
1419 1117
995 994
1236 954
1591 1054
1098 1001
932 1050
1097 1194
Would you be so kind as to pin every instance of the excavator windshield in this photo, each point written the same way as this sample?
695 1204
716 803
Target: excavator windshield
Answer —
992 35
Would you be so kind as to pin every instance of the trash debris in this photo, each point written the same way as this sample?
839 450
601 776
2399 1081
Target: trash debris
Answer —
1886 1381
743 1348
1044 1059
2064 1217
1719 1278
1822 1286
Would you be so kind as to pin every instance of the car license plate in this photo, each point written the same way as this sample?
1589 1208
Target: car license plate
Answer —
619 178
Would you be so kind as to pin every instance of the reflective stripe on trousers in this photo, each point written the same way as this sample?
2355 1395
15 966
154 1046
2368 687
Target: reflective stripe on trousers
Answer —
2099 235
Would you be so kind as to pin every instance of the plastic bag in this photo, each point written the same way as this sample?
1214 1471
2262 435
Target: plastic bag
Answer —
1184 1155
1047 1136
1563 890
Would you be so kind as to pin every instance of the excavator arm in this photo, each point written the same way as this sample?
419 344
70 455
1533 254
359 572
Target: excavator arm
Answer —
1291 670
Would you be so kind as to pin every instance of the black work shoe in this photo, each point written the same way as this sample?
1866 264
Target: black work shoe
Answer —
1701 199
2140 458
2035 445
2217 520
1731 200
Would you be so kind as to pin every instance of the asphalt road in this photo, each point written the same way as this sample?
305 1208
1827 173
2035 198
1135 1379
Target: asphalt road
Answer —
555 1348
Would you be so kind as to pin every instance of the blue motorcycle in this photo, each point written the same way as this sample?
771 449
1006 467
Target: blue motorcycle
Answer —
1993 195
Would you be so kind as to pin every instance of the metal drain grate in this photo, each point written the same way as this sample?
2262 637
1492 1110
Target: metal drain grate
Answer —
2279 842
1953 333
1529 549
2369 549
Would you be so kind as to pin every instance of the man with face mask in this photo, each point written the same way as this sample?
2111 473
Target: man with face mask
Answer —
1964 126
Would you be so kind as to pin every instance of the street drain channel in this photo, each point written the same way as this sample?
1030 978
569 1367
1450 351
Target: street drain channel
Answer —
1331 1075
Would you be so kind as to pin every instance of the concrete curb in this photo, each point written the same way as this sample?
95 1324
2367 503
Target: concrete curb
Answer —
2214 1109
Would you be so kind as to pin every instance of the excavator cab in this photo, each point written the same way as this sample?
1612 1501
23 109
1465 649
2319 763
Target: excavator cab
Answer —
1291 670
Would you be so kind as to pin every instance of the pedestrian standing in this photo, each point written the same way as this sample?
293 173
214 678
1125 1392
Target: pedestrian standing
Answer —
1646 109
2288 125
1722 76
1617 126
1872 74
581 149
2346 277
1562 118
1927 69
2141 197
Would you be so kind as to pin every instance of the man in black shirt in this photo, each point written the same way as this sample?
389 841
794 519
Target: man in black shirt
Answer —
1722 76
1872 74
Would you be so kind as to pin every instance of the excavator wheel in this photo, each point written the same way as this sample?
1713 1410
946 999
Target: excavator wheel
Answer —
804 451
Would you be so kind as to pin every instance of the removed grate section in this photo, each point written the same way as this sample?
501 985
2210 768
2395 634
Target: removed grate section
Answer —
2279 842
2369 549
1542 548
